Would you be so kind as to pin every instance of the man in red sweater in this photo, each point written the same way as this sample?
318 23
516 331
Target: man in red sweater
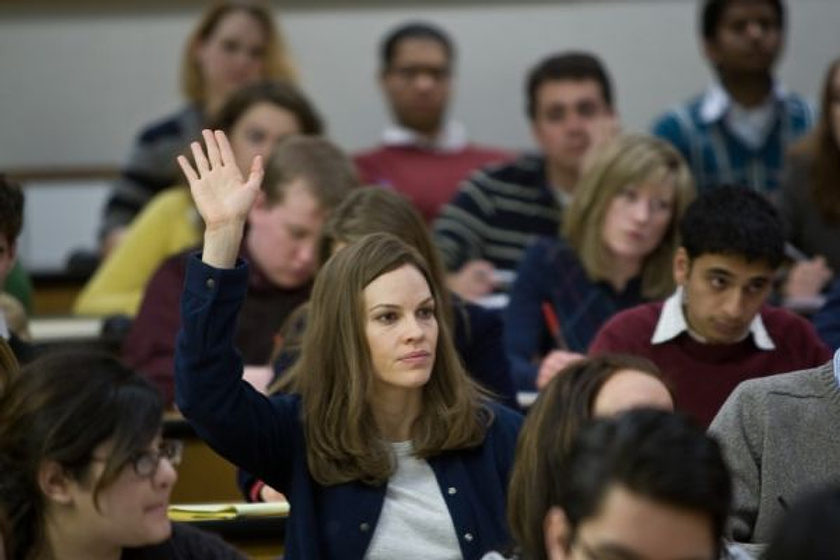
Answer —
423 155
716 330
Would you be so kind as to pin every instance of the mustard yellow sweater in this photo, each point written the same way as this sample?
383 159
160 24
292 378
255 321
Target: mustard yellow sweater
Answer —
167 225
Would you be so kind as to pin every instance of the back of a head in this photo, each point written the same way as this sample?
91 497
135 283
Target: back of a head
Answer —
810 530
733 221
325 170
712 12
376 210
567 66
59 409
660 456
419 30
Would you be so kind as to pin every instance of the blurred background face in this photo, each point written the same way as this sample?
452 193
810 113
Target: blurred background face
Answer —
282 237
637 218
748 38
233 55
258 131
417 84
628 389
565 113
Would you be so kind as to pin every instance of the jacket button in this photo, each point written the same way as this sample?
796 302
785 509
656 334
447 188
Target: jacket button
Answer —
364 527
211 283
452 490
468 537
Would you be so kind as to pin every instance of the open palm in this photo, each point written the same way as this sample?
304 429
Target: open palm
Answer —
218 189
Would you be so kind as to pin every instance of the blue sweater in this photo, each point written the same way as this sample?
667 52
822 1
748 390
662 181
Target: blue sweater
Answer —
551 273
265 436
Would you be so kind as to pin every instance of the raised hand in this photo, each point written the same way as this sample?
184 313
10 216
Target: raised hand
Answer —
221 195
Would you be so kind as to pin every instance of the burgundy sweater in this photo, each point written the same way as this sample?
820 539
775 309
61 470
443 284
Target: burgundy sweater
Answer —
428 178
703 375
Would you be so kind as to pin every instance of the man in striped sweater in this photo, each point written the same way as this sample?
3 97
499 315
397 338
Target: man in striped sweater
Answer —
501 208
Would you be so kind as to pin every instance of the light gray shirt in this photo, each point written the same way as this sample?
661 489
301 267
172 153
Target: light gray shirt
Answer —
415 522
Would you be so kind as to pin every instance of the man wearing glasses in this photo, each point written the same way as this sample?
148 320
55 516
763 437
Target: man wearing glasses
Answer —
423 154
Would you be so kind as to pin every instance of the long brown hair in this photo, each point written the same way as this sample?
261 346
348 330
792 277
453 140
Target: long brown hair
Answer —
821 151
549 430
277 63
627 160
334 374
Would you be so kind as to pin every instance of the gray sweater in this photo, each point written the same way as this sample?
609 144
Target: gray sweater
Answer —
780 437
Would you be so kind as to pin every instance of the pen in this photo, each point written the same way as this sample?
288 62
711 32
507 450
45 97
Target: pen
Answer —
553 325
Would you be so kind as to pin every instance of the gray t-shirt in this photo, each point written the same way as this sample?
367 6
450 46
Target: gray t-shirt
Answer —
415 522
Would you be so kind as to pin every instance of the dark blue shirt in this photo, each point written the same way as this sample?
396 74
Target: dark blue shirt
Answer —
552 273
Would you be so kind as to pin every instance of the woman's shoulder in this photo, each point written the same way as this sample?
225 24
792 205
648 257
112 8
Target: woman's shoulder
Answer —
185 543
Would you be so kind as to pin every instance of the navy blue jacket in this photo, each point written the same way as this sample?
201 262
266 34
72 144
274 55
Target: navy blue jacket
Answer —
265 436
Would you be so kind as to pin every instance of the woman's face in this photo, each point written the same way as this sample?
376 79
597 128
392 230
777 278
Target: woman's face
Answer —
628 389
233 55
401 330
835 105
259 130
132 510
637 218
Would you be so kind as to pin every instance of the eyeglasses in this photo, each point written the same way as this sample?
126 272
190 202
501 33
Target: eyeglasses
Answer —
146 463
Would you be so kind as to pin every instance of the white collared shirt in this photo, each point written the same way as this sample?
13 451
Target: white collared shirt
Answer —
672 323
452 138
751 126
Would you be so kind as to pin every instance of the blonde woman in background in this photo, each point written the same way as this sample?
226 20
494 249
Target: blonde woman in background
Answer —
235 43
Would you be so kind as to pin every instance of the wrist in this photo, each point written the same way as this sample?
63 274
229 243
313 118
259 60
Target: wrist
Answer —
221 244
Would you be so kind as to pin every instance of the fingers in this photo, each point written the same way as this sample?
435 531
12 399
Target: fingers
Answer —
224 149
200 161
255 176
212 148
189 172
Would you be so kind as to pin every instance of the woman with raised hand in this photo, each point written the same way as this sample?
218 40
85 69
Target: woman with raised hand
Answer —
388 448
84 472
619 236
235 43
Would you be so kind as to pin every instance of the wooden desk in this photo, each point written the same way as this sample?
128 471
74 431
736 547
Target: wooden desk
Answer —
203 475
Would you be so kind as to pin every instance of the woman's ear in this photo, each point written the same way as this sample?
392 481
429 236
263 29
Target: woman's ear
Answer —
556 534
55 483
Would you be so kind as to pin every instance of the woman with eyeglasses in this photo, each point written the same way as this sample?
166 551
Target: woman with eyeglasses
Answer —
84 472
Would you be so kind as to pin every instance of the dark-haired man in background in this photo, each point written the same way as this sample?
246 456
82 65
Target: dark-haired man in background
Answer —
423 155
738 130
716 330
500 209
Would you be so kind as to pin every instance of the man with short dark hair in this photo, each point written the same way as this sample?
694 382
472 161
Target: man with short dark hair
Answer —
646 484
424 154
500 209
716 331
737 131
305 178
